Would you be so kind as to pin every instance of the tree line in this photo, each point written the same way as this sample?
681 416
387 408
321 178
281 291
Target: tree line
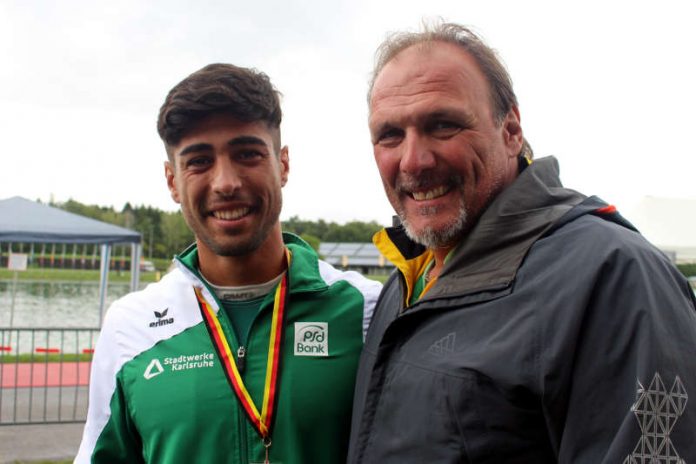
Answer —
165 233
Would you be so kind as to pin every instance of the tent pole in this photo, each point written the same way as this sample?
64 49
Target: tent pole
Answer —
135 266
104 278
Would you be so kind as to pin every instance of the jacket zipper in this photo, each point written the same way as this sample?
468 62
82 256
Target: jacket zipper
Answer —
241 359
243 444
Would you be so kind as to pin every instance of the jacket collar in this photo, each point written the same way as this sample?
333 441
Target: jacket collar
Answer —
304 266
410 258
490 254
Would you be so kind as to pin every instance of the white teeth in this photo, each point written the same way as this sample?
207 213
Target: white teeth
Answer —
231 215
430 194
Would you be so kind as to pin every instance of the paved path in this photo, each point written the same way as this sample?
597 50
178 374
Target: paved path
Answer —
52 374
39 442
36 392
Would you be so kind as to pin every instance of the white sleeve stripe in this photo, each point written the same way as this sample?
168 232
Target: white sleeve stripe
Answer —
126 333
369 289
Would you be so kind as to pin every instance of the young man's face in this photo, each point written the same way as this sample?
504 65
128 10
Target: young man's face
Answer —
440 152
227 177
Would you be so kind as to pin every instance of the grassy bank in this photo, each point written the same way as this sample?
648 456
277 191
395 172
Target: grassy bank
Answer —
73 275
79 275
42 462
379 278
42 358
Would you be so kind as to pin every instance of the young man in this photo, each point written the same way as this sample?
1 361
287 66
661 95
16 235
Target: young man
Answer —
247 351
527 323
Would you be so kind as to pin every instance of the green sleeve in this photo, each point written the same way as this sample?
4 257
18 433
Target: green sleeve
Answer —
119 441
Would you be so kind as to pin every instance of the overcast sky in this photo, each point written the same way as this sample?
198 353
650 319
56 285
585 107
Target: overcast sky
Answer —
607 87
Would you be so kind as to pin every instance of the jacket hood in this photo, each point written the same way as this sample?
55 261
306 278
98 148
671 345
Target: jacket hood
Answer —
491 253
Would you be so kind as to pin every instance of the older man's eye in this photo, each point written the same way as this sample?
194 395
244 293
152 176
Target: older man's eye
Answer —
444 129
389 137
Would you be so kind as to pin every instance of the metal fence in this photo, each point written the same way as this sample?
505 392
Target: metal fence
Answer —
44 374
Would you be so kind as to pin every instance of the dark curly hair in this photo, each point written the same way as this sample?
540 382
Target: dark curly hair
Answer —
246 94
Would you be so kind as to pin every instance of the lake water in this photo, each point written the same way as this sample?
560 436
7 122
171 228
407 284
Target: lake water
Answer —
55 304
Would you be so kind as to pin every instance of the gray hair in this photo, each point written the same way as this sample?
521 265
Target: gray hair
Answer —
502 96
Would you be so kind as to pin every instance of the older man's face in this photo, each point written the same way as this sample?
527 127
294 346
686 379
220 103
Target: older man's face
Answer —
440 152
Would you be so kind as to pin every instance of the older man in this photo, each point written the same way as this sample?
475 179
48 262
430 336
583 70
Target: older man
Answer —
246 352
526 322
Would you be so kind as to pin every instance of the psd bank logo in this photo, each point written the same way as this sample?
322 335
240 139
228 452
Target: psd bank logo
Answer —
311 339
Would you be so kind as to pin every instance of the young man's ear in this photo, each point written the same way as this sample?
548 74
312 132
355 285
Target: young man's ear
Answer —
171 181
284 158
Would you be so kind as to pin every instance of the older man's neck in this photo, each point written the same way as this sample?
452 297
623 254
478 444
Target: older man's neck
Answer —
440 255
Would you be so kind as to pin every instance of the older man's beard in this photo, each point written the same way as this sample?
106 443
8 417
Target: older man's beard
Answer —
444 235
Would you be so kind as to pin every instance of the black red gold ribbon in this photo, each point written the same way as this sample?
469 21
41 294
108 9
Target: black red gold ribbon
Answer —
262 421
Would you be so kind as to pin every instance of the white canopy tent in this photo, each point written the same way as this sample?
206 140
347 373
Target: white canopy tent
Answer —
25 221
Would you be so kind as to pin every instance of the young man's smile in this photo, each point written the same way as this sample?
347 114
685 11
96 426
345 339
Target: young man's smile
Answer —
228 175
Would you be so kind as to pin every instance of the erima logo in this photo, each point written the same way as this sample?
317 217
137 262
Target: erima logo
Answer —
311 339
161 319
153 369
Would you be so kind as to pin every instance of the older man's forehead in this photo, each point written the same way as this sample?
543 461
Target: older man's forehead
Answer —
416 69
421 81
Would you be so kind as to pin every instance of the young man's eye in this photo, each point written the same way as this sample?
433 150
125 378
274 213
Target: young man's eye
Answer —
198 161
249 155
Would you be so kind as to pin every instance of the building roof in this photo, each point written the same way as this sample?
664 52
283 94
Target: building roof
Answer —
352 254
25 221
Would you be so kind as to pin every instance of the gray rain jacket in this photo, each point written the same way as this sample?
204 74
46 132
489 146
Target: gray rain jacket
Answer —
555 333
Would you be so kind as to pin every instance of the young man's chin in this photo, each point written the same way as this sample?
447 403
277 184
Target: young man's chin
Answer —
239 247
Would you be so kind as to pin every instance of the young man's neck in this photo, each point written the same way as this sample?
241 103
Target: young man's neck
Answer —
261 265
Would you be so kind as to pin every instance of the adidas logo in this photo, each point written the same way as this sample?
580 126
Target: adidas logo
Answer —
153 369
443 346
161 318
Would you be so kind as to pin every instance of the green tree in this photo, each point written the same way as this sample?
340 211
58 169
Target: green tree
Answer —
175 234
312 240
165 233
353 231
687 269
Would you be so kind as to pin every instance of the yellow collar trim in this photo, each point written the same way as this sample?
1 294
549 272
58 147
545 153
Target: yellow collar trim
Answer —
412 269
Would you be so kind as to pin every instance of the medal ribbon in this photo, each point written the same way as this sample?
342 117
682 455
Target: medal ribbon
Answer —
262 422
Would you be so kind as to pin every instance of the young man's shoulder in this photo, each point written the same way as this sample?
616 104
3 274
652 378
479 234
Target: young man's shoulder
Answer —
332 275
160 310
172 287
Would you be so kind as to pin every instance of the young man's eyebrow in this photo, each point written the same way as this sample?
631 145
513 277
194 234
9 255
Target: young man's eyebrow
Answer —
241 140
195 148
246 140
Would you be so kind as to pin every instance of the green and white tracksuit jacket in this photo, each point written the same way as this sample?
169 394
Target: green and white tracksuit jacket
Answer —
159 394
